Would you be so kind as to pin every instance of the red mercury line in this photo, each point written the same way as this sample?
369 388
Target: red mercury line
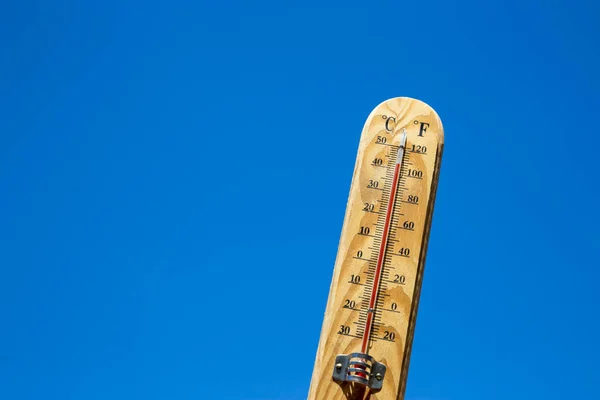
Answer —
383 247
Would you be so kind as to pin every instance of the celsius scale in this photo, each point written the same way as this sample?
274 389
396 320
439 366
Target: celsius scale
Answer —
367 332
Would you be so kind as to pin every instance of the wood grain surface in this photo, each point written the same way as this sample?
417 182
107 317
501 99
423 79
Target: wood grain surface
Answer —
343 324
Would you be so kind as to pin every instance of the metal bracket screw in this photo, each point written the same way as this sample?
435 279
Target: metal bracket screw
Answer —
360 368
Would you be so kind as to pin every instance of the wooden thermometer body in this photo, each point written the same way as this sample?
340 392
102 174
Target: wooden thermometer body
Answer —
366 336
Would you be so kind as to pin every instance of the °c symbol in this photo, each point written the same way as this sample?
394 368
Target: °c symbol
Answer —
387 126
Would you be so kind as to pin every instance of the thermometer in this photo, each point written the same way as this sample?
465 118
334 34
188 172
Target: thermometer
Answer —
367 332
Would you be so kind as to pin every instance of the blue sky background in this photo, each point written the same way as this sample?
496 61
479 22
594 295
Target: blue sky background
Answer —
174 178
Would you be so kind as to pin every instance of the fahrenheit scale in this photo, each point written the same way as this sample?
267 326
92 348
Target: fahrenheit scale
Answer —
367 331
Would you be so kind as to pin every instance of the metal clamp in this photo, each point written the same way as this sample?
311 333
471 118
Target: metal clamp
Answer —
360 368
